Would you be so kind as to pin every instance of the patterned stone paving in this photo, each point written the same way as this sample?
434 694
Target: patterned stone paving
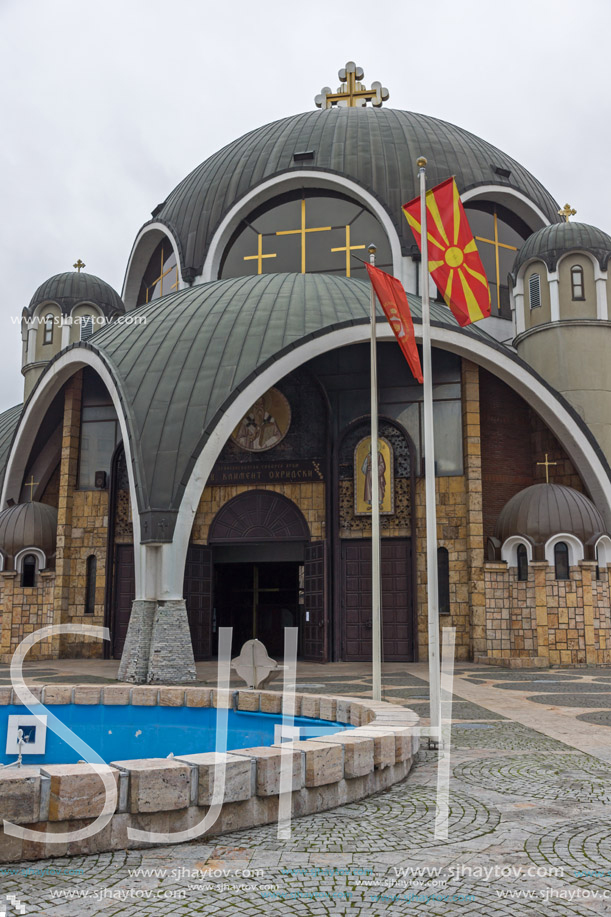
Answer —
581 699
599 717
519 801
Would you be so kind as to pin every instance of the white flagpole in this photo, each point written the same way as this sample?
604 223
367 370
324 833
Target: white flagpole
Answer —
429 472
376 612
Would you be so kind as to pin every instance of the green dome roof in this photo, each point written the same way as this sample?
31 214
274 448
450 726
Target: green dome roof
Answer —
179 373
376 148
71 288
551 242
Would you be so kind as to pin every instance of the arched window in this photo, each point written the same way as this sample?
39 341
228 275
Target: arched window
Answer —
28 571
48 334
161 275
305 231
522 563
534 291
499 233
577 285
92 564
86 327
561 560
443 580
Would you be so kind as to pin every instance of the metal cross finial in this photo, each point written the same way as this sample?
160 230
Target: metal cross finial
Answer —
547 465
567 212
352 92
31 484
79 265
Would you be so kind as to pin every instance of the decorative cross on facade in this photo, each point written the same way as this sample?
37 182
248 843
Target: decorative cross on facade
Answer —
31 484
352 92
547 465
79 265
497 246
567 212
347 248
259 256
302 232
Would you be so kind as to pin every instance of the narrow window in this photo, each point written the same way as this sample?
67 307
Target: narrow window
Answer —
561 560
28 571
522 563
86 327
48 335
577 287
534 291
443 580
90 585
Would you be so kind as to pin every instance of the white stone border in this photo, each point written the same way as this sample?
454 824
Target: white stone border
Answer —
161 794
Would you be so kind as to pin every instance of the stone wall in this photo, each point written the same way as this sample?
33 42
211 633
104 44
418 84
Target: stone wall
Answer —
544 621
25 610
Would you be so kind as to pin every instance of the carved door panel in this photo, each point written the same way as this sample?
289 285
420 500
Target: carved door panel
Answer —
124 595
198 597
397 616
314 623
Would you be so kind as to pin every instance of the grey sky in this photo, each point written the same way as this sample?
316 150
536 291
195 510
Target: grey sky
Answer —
107 106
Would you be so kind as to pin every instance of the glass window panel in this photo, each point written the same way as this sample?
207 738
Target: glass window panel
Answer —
561 560
447 424
98 441
443 580
522 563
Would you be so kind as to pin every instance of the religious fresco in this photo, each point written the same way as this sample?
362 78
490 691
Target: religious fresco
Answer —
265 424
363 471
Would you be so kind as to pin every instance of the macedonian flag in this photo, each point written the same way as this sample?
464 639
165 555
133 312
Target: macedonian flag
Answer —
454 261
393 300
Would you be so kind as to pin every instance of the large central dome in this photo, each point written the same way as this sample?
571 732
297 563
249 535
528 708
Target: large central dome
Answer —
376 148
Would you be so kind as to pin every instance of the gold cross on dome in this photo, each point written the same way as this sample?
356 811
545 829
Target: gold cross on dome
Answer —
548 465
567 212
347 248
79 265
31 484
259 256
352 92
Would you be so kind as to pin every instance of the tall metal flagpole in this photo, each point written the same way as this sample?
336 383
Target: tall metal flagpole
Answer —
429 471
376 613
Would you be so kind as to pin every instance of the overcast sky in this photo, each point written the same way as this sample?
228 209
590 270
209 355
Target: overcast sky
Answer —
108 105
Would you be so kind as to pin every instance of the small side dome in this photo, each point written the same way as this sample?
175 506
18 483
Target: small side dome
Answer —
551 242
71 288
544 510
28 525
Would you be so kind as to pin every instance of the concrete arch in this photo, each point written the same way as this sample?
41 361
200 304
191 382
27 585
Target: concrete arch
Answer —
509 550
288 181
38 553
575 546
146 242
511 198
554 411
55 376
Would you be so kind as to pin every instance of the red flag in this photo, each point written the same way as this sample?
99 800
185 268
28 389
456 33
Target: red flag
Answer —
454 260
393 300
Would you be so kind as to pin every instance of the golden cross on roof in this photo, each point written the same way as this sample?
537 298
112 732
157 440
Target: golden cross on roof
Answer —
31 484
79 265
567 212
352 92
548 465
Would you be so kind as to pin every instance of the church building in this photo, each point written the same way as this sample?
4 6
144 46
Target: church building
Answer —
195 453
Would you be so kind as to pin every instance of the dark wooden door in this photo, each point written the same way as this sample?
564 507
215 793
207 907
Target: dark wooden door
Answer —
124 595
397 615
198 598
313 635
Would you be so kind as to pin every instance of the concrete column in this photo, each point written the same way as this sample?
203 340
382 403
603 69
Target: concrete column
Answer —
475 522
67 485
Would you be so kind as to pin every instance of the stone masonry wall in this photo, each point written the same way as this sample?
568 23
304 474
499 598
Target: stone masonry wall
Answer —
25 610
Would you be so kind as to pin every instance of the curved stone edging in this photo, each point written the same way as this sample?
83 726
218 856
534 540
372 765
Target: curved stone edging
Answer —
173 794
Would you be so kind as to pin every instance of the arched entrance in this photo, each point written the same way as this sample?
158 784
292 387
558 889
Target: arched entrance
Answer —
261 573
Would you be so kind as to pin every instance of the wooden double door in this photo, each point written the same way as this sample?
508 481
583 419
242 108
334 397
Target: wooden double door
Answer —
397 600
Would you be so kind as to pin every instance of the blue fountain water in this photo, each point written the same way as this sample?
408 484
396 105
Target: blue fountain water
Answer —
120 733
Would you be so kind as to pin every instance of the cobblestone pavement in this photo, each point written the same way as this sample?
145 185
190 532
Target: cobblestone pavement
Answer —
529 825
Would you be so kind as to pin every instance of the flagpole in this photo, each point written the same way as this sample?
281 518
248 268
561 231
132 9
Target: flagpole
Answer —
376 613
429 472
